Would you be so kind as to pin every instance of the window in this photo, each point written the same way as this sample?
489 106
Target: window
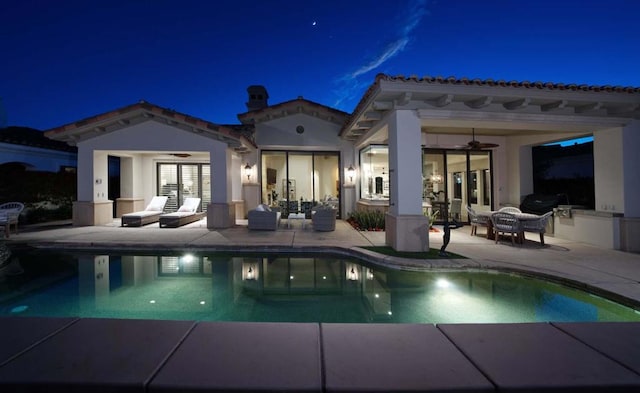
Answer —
374 165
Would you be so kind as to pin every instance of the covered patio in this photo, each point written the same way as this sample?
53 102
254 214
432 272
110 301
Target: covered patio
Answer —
411 115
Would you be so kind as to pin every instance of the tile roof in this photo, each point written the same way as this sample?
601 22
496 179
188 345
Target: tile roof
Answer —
232 132
292 107
464 81
452 80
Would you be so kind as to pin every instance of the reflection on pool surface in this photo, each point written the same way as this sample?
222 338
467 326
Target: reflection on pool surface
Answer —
279 288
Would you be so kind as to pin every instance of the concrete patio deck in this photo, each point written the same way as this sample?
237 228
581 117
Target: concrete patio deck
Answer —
94 355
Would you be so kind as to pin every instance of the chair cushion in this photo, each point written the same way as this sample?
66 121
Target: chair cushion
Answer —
190 205
157 204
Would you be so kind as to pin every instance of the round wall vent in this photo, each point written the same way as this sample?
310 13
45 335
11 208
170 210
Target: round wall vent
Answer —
299 129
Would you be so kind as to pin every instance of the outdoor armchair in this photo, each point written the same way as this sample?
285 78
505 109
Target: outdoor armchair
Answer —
10 215
476 220
510 209
505 223
264 217
324 218
536 226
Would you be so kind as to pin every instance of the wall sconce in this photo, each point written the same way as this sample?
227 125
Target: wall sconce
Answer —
351 173
247 171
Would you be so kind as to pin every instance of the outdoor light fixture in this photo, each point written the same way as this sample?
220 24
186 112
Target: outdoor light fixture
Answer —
247 171
351 173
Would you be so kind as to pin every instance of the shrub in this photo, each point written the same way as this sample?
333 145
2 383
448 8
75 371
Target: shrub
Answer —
367 220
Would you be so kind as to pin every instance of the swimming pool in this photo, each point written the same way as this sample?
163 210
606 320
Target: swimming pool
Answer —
281 288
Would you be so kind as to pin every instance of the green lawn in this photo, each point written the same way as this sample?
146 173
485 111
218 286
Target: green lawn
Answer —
433 253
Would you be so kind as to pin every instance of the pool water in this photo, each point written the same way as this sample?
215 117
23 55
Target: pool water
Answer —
281 288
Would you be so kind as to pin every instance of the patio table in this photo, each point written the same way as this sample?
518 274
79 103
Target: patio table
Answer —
296 216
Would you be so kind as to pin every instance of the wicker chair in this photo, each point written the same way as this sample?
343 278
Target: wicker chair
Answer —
510 209
536 226
264 217
10 215
476 220
324 219
506 223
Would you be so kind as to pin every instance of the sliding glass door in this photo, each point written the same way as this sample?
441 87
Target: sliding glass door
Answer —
460 176
180 181
296 181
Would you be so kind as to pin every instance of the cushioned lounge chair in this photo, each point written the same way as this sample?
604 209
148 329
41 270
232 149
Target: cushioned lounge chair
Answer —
186 214
149 215
264 218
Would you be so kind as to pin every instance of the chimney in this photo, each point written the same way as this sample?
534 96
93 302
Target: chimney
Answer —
257 98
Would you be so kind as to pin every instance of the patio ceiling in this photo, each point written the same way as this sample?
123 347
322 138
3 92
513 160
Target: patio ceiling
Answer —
454 106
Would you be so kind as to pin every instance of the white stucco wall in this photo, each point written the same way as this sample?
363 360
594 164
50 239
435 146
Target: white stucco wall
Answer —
149 136
609 170
631 162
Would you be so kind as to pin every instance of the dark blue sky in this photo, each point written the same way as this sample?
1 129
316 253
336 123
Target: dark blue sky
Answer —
66 60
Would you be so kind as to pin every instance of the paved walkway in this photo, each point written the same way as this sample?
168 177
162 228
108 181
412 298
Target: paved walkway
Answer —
617 273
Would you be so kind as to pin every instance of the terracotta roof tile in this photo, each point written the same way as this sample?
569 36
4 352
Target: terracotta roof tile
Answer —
480 82
226 130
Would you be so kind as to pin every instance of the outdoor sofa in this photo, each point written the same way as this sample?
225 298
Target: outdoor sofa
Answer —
264 217
149 215
186 214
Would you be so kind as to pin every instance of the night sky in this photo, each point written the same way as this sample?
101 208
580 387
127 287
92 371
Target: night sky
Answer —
62 61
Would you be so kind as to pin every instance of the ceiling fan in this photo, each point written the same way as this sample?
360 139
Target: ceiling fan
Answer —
473 144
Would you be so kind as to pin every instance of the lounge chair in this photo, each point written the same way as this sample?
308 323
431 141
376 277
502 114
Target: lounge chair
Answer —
147 216
264 217
10 215
324 219
186 214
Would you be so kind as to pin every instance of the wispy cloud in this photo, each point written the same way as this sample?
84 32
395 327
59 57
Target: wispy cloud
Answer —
350 85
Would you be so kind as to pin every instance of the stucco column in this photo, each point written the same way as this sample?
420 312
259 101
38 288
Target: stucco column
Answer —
221 211
407 229
93 206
